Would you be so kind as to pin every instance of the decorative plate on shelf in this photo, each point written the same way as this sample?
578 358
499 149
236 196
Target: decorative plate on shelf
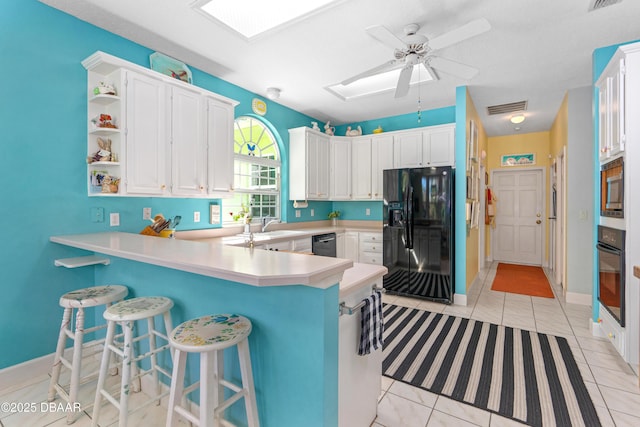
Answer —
171 67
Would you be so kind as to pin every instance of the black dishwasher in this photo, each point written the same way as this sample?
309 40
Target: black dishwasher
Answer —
324 244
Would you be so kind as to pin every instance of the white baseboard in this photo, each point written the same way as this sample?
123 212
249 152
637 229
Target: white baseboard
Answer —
577 298
460 299
25 371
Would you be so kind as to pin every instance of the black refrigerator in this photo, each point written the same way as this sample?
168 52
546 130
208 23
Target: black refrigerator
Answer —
418 233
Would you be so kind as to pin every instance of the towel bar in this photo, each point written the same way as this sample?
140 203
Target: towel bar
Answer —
344 309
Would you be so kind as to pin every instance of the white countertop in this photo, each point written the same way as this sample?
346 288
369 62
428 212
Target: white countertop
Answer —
360 275
250 266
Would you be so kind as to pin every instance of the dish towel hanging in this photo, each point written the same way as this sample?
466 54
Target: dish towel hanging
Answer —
372 324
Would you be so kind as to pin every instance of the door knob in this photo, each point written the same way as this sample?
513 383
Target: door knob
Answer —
538 222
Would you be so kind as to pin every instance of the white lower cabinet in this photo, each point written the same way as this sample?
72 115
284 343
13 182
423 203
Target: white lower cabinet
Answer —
301 245
340 245
370 248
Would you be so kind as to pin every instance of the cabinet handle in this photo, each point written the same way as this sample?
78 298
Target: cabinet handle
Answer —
162 187
201 187
369 194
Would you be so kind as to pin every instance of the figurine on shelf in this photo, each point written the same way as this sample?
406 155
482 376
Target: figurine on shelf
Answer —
104 89
104 121
314 126
110 184
328 129
354 132
104 154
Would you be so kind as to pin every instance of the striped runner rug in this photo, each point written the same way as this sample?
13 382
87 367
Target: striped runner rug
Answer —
523 375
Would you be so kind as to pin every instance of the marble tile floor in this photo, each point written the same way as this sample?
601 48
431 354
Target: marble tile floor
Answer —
611 382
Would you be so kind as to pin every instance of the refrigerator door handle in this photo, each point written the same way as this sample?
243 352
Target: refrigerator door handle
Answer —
409 222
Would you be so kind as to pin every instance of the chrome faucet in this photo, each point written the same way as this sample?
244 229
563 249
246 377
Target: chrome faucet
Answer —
266 224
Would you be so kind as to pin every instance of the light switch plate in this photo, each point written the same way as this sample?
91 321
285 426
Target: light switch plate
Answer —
196 216
214 213
146 213
114 219
97 214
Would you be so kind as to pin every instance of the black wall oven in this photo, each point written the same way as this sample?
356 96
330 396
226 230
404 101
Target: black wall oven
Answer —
611 271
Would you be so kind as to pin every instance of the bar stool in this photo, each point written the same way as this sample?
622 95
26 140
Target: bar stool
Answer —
209 336
78 300
126 313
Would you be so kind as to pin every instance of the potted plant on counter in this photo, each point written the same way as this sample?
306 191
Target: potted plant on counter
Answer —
333 216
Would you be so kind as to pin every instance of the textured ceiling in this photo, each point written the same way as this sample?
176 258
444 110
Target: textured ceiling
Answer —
535 51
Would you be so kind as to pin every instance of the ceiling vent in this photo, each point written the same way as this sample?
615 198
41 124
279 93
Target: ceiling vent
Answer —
599 4
507 108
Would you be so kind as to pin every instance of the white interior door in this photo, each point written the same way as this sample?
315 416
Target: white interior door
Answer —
519 216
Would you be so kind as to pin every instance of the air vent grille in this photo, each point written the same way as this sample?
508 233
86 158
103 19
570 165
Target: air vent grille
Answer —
507 108
599 4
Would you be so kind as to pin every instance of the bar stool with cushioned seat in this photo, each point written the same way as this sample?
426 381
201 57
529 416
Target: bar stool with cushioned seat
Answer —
126 314
78 300
209 336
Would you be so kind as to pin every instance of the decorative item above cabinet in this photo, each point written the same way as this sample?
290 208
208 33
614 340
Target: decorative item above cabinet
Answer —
142 141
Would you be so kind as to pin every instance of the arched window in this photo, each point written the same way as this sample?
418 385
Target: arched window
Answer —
256 173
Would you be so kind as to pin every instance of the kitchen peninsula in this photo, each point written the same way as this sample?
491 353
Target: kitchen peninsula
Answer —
292 300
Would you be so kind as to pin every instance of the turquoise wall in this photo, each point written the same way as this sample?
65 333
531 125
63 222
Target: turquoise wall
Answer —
43 87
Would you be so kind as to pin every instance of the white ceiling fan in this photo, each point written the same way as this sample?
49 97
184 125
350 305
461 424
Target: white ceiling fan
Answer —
416 49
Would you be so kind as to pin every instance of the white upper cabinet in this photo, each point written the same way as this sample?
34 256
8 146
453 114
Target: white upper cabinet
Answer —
188 143
147 171
171 138
308 165
407 150
340 169
361 168
381 159
611 106
219 120
439 146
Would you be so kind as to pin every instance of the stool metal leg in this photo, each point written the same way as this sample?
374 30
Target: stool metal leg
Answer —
57 363
247 383
102 376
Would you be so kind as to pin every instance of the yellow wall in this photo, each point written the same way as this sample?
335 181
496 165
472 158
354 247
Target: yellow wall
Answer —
537 143
473 266
559 132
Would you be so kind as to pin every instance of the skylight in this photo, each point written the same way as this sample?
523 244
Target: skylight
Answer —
253 17
378 84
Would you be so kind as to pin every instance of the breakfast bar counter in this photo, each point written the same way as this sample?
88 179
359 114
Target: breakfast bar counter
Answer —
292 300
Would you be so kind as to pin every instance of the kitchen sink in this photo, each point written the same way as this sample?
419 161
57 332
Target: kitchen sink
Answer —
276 234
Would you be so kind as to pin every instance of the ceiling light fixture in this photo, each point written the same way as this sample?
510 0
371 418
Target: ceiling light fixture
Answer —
517 119
273 93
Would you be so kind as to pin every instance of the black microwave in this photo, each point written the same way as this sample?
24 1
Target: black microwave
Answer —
612 189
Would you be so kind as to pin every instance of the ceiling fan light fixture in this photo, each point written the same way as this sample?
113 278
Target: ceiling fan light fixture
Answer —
517 119
273 93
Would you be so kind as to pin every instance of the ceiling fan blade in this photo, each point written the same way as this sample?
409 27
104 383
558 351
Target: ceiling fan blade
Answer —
465 32
403 81
382 34
387 66
457 69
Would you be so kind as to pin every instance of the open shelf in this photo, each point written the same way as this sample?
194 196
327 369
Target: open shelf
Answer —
82 261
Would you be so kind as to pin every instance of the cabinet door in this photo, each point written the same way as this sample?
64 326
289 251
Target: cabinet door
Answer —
220 118
407 150
317 162
616 108
603 116
340 169
146 129
381 159
438 148
340 251
188 143
361 165
351 246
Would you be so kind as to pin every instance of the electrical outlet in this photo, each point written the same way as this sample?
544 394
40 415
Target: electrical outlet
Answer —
297 213
196 216
367 212
97 215
313 213
146 213
114 219
214 213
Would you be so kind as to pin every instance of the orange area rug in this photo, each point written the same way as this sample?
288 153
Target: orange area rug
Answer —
522 279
